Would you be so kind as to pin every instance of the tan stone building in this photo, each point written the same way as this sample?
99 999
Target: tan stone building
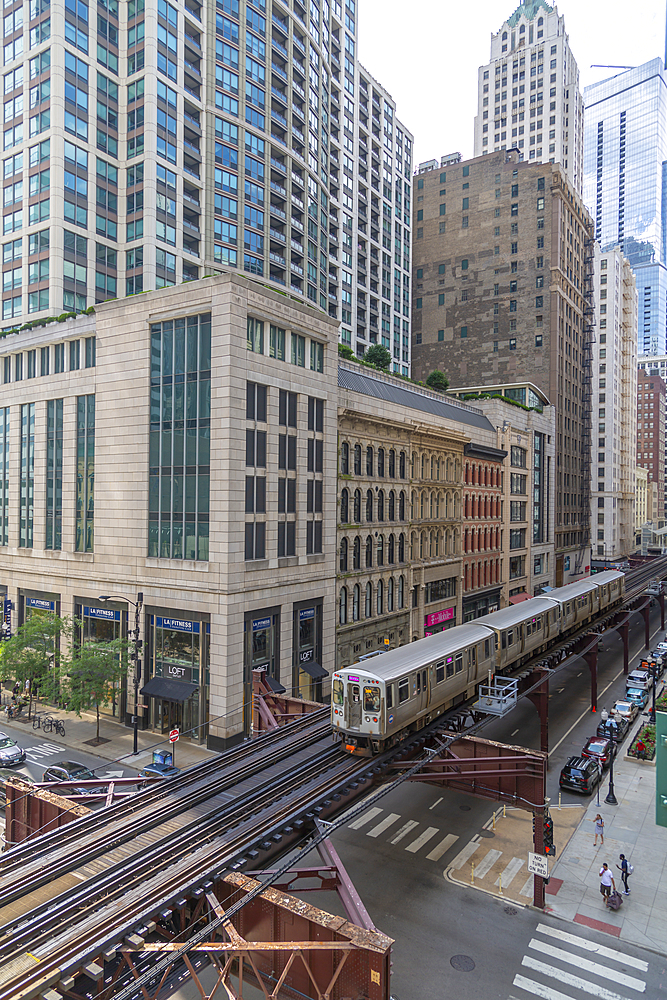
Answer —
503 293
642 506
176 444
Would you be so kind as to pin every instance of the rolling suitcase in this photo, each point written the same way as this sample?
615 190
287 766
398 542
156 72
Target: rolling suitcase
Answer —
615 901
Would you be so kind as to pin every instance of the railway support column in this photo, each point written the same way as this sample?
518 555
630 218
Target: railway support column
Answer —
624 633
646 614
591 658
661 599
540 700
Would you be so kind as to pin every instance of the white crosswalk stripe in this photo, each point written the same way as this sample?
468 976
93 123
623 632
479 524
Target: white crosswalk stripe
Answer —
428 834
509 873
383 825
487 864
404 831
365 818
442 847
528 887
549 980
465 854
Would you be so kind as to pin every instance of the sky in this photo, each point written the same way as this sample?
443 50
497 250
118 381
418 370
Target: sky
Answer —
427 56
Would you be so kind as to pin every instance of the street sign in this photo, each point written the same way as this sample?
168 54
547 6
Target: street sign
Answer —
173 735
538 865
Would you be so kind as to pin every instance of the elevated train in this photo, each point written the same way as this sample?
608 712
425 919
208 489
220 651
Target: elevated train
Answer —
376 702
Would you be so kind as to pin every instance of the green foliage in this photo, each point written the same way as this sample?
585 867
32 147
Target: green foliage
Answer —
346 352
92 673
32 653
379 356
438 380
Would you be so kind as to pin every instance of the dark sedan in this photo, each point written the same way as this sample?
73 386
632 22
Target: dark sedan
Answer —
71 770
158 771
601 749
580 774
614 729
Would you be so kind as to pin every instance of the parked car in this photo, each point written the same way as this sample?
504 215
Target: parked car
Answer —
71 770
158 771
626 709
615 728
662 645
638 695
11 753
5 774
601 749
581 774
640 678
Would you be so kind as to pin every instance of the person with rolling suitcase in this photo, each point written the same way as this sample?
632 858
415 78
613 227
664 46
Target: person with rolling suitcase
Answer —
606 883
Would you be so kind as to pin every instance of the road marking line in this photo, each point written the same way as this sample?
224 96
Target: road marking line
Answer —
384 825
464 855
538 989
599 949
528 887
610 975
366 818
405 829
569 980
437 801
423 838
510 872
487 864
443 846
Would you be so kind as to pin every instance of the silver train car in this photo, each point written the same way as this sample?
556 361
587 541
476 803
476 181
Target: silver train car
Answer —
378 701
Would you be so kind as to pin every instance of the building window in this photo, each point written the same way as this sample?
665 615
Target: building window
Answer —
4 475
54 473
85 472
26 499
178 526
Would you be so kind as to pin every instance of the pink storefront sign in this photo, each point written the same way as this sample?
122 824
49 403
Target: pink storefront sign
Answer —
438 617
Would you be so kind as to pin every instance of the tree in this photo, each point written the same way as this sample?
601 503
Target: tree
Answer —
438 380
32 654
346 352
93 671
379 356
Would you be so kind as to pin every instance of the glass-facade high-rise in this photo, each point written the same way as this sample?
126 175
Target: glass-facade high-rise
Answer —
152 142
625 184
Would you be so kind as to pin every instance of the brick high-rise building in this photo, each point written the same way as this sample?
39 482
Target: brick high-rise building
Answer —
503 291
651 406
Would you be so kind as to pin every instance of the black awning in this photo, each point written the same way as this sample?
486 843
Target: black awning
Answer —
314 669
170 690
275 685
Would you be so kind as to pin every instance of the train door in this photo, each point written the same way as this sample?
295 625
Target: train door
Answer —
354 706
420 686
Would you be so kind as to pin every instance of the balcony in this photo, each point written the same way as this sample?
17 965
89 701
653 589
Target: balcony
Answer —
280 119
275 44
279 189
296 224
298 202
298 134
299 89
193 148
297 178
278 23
298 247
192 68
299 44
280 95
278 259
275 210
277 235
296 268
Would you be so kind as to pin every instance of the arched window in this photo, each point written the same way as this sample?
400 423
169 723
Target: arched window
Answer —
413 545
391 550
401 506
357 507
356 600
380 461
401 548
357 459
422 504
368 610
356 553
431 544
432 466
391 513
432 510
390 594
392 463
343 555
381 505
413 505
540 22
342 608
369 552
401 591
345 459
401 465
505 33
424 460
422 545
414 465
369 461
380 550
379 598
369 505
437 544
344 506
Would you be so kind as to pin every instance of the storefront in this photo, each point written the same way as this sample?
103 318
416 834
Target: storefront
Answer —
307 645
177 678
261 649
104 623
33 602
439 621
481 604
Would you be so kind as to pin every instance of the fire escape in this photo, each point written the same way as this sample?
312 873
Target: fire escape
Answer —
586 443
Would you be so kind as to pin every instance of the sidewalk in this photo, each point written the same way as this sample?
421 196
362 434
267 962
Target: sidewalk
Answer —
630 828
118 739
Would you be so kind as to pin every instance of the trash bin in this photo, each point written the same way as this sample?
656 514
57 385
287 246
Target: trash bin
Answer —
163 757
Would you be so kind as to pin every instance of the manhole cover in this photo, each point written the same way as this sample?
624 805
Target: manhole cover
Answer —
465 809
463 963
486 833
510 911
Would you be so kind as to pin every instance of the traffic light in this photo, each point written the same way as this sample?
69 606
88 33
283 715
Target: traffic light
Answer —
549 848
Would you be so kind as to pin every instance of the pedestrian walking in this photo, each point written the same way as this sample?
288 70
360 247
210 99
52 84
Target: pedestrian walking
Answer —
606 882
599 830
625 869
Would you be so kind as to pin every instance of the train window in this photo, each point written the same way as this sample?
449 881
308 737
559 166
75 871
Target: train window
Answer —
510 637
418 681
403 690
390 695
371 699
487 649
424 679
338 692
504 638
440 671
450 666
538 623
459 662
473 656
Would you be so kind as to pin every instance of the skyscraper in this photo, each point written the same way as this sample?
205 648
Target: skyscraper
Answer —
625 151
533 79
152 142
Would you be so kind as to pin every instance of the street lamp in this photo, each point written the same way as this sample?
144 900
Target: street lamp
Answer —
135 633
611 798
654 675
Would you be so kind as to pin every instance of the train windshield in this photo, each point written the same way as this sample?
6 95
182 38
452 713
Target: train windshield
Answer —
371 699
338 692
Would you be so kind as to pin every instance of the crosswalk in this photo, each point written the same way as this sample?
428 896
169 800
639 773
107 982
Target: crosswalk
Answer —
547 969
413 837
